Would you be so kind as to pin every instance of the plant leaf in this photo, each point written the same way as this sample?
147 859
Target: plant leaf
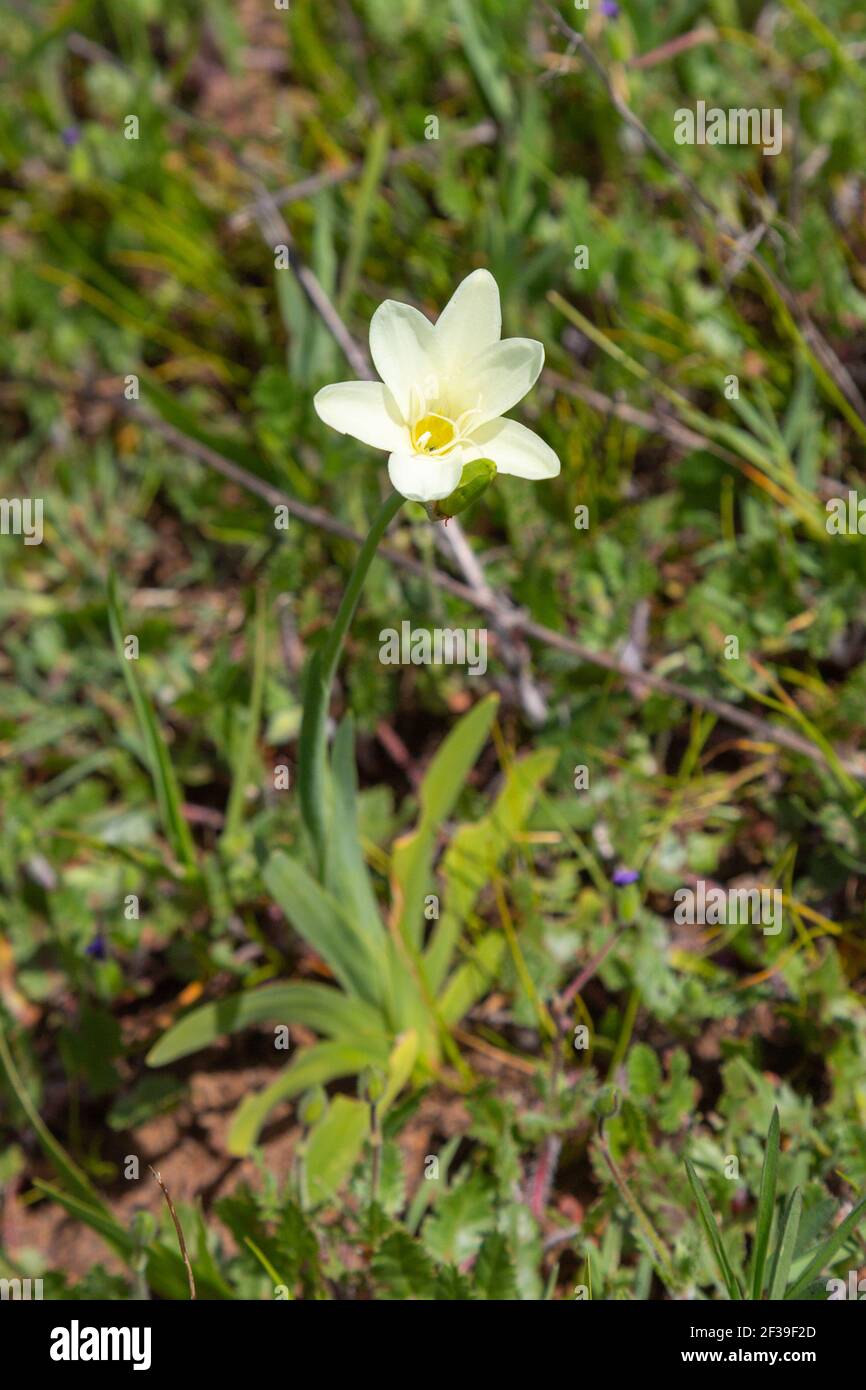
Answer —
315 1066
473 979
247 742
348 877
494 1272
825 1252
475 852
790 1225
334 1146
402 1268
157 756
766 1204
327 1010
711 1230
326 927
411 861
400 1065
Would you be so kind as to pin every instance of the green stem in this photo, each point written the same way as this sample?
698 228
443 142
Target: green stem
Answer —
312 779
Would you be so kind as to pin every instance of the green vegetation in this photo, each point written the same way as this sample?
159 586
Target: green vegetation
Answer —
398 1007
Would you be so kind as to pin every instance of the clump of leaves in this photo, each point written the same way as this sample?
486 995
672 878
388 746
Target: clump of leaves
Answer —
398 997
793 1268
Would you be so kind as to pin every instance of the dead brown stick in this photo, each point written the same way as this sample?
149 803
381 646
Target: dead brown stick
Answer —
582 980
177 1226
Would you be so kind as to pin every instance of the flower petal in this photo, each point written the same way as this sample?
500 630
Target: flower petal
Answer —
364 409
401 345
424 477
497 379
516 450
470 321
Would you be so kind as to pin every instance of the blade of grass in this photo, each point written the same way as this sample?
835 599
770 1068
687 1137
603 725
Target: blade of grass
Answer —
235 808
374 168
656 1248
711 1230
826 1251
66 1166
785 1249
313 772
766 1203
159 762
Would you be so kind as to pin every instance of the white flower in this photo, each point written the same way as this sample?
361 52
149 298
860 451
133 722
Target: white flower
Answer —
443 393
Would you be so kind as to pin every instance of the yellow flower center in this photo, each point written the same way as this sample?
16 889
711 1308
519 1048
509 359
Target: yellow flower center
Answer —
433 434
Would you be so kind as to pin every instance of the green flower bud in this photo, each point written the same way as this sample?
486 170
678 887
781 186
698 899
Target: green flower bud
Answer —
606 1103
312 1105
475 479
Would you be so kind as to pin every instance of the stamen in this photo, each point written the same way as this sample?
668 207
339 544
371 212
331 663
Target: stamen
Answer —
433 434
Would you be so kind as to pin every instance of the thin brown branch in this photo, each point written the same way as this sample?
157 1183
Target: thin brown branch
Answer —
179 1229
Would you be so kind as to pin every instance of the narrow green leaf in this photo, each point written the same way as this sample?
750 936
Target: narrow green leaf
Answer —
711 1230
328 928
400 1064
334 1146
473 979
785 1248
411 861
64 1164
484 59
315 1066
371 176
243 762
157 756
317 1006
475 852
348 876
313 776
766 1204
825 1252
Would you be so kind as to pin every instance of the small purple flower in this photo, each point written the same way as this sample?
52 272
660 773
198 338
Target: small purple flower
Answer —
96 949
622 877
610 9
70 136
